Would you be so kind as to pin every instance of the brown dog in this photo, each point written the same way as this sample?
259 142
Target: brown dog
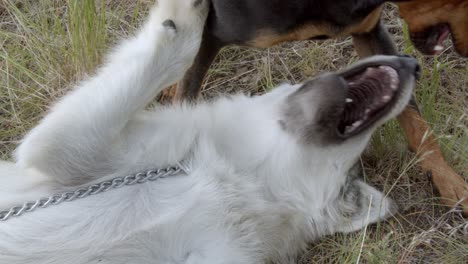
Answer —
431 21
263 23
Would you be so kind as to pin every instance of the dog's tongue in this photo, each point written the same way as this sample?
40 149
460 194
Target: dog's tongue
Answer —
431 41
444 32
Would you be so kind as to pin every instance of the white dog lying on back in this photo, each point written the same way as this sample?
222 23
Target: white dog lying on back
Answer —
267 174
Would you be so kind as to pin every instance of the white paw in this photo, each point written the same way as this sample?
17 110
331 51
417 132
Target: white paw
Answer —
371 207
178 24
180 15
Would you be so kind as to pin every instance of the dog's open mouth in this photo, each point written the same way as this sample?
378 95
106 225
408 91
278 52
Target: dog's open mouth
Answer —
372 91
431 40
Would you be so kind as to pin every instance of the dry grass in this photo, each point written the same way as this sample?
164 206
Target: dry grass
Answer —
47 45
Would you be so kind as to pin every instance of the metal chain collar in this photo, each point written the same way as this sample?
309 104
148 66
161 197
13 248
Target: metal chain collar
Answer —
83 192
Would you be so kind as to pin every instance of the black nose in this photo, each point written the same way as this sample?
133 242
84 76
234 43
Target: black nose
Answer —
417 72
405 56
413 64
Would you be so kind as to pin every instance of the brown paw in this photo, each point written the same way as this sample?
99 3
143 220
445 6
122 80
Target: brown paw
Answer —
452 188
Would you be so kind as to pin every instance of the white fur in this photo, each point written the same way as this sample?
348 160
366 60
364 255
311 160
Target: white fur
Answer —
254 194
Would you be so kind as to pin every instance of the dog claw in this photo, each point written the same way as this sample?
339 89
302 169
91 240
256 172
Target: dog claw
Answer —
197 3
169 24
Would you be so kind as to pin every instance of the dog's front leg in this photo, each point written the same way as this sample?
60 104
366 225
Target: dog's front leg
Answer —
77 140
361 205
451 186
190 85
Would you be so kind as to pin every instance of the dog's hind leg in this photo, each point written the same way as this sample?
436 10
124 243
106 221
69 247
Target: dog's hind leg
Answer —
451 186
81 138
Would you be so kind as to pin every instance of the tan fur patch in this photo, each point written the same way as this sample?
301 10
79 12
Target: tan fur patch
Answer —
267 38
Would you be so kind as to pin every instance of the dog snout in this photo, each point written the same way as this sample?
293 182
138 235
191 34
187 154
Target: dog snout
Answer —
405 56
411 64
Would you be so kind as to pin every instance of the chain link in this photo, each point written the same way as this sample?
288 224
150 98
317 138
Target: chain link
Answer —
115 183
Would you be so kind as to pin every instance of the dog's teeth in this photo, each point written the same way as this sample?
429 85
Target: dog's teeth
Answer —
351 128
386 98
439 48
357 123
349 100
394 84
369 70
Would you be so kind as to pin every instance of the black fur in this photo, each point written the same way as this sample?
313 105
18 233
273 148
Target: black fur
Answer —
241 21
237 22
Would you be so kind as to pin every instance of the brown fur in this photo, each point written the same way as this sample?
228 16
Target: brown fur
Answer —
421 14
448 183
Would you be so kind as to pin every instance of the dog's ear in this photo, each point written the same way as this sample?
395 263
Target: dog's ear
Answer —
312 112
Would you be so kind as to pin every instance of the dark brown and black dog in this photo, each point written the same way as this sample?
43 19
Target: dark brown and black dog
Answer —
264 23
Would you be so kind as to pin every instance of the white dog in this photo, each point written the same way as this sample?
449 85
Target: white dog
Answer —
265 174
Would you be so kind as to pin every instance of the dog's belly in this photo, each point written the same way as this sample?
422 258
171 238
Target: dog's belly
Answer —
84 230
172 220
208 214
